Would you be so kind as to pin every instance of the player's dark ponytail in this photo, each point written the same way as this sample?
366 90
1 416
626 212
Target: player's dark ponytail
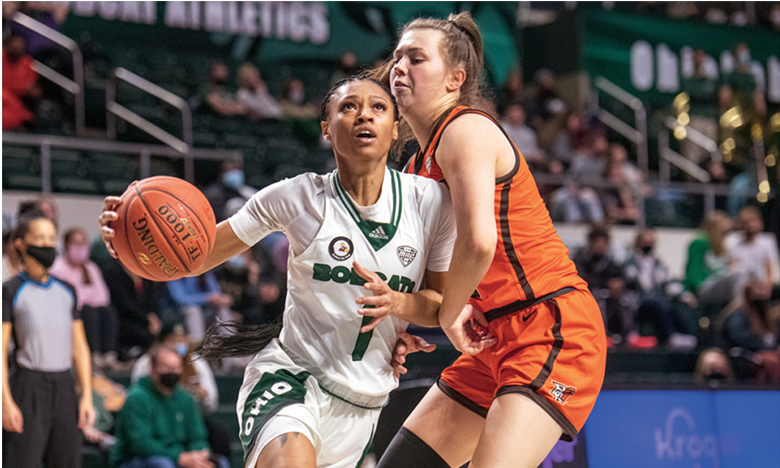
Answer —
234 339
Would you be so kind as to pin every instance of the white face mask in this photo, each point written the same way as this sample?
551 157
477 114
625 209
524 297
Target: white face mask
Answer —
743 57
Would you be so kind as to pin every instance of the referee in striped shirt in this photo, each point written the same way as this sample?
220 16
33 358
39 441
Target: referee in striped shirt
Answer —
42 416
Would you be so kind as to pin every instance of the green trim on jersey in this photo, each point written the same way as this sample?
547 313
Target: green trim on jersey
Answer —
377 234
270 394
366 450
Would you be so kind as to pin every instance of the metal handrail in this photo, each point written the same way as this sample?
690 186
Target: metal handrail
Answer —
639 136
74 86
669 156
694 136
46 142
113 109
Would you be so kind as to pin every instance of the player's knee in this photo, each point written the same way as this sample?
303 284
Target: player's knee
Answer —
409 451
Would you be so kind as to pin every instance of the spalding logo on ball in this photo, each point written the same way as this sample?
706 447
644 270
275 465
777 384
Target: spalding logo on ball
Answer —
166 228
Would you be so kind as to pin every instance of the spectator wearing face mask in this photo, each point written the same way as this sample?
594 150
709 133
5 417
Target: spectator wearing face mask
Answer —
713 368
647 278
160 425
100 319
229 186
196 378
215 96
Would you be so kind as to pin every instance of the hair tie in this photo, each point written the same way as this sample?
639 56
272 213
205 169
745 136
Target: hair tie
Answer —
464 31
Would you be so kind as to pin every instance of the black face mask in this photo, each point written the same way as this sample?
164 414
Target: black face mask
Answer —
715 375
44 255
646 249
221 81
169 380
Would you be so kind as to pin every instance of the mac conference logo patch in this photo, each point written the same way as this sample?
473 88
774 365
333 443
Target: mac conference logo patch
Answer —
406 254
340 248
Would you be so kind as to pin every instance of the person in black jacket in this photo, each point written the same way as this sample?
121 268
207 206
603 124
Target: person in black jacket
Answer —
135 300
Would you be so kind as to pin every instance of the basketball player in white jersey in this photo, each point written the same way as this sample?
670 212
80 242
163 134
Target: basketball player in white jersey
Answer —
312 397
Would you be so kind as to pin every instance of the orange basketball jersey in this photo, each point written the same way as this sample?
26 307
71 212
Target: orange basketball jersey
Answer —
530 260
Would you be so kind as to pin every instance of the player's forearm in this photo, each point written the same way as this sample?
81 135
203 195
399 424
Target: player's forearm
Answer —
226 246
470 262
7 397
421 308
82 363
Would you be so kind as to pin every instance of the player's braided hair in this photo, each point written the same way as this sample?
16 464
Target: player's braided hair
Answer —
460 46
325 109
234 339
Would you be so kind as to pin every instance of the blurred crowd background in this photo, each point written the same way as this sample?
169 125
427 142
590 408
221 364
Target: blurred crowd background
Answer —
652 129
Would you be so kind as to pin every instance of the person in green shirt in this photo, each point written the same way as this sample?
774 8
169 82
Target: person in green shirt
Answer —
707 269
160 425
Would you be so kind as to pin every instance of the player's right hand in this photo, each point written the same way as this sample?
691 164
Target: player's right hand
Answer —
13 421
469 332
407 344
108 215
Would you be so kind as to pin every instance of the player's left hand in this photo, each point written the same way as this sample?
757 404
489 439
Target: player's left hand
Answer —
86 413
406 345
384 302
467 335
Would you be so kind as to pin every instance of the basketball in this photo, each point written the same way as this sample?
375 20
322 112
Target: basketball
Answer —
166 228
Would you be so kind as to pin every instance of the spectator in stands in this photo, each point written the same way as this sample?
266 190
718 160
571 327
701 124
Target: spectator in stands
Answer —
713 367
294 103
160 425
511 92
753 256
545 103
647 278
196 378
523 136
774 16
229 186
200 302
253 92
239 277
754 328
100 319
702 106
348 66
215 96
577 202
622 199
20 85
11 261
707 268
605 281
136 302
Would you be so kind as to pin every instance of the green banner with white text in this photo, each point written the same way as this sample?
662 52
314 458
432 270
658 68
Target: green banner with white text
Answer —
649 57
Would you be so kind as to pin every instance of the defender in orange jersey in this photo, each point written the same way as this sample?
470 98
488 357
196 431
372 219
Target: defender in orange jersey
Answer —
508 404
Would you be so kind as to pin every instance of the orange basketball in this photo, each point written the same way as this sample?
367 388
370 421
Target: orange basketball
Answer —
166 228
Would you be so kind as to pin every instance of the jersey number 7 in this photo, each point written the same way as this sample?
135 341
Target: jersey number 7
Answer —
362 341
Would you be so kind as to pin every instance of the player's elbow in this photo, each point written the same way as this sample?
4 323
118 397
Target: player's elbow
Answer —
482 245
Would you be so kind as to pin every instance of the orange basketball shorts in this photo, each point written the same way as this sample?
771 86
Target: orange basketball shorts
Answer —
554 352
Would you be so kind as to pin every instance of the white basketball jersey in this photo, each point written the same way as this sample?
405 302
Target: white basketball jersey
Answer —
321 320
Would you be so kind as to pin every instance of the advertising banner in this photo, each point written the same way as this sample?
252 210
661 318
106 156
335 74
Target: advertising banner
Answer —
685 429
273 32
649 56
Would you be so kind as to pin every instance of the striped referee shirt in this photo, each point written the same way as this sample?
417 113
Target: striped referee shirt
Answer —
42 316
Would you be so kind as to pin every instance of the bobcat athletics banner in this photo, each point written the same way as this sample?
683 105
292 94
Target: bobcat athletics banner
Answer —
649 56
273 32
